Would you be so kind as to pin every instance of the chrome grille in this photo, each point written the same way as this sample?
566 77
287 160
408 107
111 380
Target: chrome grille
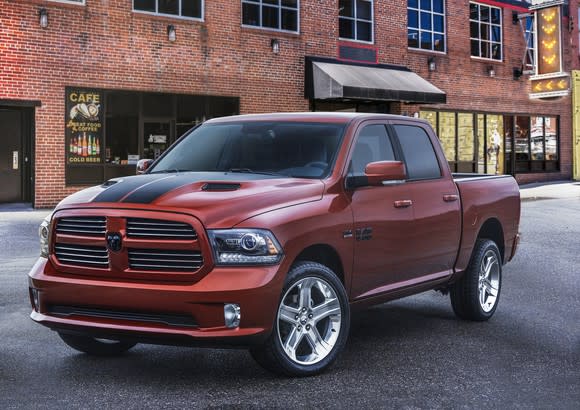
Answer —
159 229
82 226
165 260
82 255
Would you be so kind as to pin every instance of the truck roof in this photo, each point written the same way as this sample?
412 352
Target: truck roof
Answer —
334 117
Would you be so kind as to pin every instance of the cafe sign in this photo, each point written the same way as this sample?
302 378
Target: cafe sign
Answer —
84 125
548 80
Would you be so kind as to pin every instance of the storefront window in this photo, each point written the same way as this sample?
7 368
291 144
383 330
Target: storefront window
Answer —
481 146
466 139
551 137
495 145
447 135
430 116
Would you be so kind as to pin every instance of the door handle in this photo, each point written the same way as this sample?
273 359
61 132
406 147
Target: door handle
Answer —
405 203
450 198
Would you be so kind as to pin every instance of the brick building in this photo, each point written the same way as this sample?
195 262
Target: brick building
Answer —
87 87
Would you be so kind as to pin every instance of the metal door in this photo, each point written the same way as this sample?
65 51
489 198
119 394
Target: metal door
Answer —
11 158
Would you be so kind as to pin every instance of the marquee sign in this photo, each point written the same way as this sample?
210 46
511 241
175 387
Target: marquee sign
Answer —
549 79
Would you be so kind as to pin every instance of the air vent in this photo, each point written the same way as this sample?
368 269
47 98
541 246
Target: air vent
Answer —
159 229
82 255
165 260
82 226
216 186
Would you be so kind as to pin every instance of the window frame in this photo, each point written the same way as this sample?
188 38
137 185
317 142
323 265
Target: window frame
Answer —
432 31
355 19
175 16
280 7
491 25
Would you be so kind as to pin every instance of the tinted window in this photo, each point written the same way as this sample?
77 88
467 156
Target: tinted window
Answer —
302 150
373 144
420 157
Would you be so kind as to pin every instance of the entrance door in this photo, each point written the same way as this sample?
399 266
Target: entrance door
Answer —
157 137
11 155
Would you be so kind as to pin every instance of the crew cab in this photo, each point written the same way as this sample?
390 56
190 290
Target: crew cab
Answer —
265 231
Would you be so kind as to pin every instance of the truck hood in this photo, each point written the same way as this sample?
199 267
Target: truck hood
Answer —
218 199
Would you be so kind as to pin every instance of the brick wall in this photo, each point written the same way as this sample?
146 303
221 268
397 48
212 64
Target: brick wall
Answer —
106 45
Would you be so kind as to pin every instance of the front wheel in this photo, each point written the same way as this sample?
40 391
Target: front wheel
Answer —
312 323
475 296
96 347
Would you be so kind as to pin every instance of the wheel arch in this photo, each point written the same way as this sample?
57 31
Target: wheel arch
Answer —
493 230
325 255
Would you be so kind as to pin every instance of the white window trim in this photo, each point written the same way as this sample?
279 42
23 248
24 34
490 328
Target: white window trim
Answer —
280 8
501 16
173 16
433 13
372 21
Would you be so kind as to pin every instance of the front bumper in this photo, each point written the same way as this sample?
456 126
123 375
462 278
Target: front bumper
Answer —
138 311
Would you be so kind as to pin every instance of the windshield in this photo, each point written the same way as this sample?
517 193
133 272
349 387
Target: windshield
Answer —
294 149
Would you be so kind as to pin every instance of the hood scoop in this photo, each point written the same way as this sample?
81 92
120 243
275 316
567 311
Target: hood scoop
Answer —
220 186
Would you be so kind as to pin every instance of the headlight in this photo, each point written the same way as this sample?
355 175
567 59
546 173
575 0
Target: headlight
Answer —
44 235
245 247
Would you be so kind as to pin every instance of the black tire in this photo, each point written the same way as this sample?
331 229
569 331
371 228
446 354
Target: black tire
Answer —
272 356
96 347
466 295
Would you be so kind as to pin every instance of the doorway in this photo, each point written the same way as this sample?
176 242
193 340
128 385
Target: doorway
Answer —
16 130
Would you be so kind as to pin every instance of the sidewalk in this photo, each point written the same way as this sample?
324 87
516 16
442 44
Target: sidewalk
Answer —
550 190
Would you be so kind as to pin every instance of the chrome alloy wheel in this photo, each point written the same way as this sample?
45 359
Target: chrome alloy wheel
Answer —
489 277
308 320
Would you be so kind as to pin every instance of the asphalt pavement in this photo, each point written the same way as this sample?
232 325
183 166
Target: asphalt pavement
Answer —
411 353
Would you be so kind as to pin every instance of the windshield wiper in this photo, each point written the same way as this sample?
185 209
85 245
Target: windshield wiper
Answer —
251 171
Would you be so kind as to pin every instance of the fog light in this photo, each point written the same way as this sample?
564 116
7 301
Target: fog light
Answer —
232 315
34 298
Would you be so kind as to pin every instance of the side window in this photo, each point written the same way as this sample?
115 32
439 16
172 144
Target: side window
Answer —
420 157
373 144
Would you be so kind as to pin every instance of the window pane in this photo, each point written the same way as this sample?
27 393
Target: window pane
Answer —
438 6
426 41
438 23
413 3
484 13
425 21
484 31
438 42
522 138
537 138
373 145
274 2
363 31
551 133
363 10
346 8
413 18
270 17
144 5
447 134
430 116
191 8
481 154
466 139
420 157
495 16
251 14
290 3
474 30
495 148
474 11
485 49
475 48
346 28
496 51
413 38
289 20
169 6
426 5
495 33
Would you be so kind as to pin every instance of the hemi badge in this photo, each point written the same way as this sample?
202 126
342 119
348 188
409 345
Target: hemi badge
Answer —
347 234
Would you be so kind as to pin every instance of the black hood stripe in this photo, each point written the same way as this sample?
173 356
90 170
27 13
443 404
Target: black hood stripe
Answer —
144 189
125 186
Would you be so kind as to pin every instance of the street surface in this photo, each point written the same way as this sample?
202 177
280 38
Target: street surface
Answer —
410 353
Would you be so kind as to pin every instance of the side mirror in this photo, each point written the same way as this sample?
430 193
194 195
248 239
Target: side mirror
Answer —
143 165
385 172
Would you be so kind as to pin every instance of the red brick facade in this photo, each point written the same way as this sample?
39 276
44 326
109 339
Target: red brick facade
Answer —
104 44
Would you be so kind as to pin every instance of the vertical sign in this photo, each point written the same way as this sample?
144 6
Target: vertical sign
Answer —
84 125
549 47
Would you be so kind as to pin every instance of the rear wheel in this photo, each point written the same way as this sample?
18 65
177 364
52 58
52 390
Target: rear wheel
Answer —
475 296
311 326
96 347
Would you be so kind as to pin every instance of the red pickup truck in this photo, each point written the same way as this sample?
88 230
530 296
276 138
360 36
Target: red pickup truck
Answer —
264 231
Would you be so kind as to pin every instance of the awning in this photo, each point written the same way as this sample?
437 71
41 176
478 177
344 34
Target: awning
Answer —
335 81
